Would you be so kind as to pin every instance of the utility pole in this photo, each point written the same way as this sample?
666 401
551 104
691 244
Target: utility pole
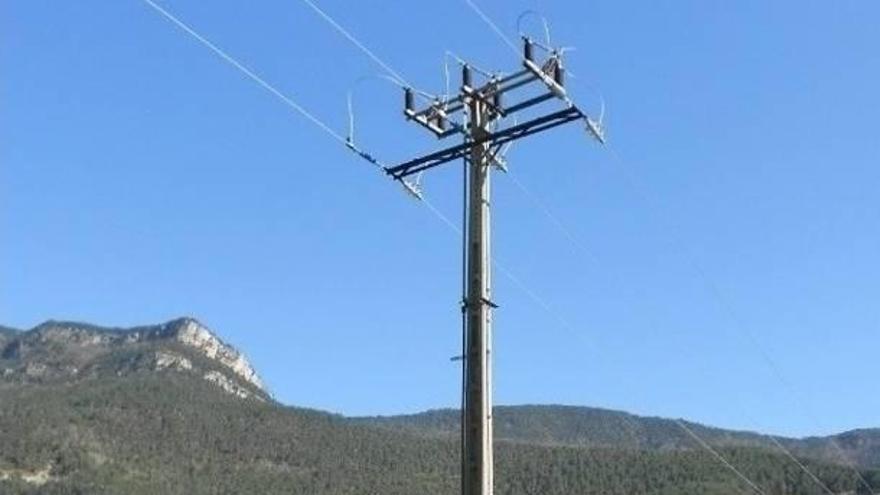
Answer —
477 467
484 108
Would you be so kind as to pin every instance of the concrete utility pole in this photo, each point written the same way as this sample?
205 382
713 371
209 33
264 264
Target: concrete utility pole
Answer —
477 468
480 150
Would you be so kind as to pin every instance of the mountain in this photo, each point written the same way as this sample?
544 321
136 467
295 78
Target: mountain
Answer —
593 427
172 409
67 351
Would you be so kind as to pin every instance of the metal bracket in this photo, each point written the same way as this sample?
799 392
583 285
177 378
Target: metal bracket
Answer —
551 83
489 303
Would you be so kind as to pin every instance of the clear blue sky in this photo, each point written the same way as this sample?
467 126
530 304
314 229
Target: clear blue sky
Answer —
141 178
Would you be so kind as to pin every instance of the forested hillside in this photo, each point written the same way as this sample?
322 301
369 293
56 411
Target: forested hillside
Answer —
149 433
92 411
593 427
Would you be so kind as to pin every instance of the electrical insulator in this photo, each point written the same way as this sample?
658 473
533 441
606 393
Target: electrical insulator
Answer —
527 49
559 74
409 100
497 100
466 76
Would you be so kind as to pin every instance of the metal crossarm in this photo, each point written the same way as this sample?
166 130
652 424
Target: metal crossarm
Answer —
498 138
502 85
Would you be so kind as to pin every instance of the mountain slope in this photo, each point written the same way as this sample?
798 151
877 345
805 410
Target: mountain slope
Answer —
592 427
98 411
67 351
147 433
6 334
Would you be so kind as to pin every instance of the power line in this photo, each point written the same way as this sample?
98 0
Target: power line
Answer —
700 441
541 206
720 457
738 323
803 467
567 233
555 220
488 20
522 286
558 223
357 43
244 70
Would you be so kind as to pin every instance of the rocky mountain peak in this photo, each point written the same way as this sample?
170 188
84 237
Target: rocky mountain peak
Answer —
190 332
68 350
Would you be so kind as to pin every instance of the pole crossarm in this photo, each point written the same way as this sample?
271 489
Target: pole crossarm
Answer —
437 116
498 85
497 138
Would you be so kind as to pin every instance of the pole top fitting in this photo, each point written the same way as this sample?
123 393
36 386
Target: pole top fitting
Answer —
466 77
527 49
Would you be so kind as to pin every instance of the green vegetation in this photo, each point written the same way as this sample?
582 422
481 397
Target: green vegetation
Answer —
592 427
81 416
169 433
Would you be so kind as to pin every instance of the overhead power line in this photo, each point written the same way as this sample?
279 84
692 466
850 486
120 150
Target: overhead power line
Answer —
578 245
244 70
352 39
510 275
542 207
494 27
720 457
653 203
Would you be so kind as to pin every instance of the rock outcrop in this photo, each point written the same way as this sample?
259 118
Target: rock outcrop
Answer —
58 351
190 332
